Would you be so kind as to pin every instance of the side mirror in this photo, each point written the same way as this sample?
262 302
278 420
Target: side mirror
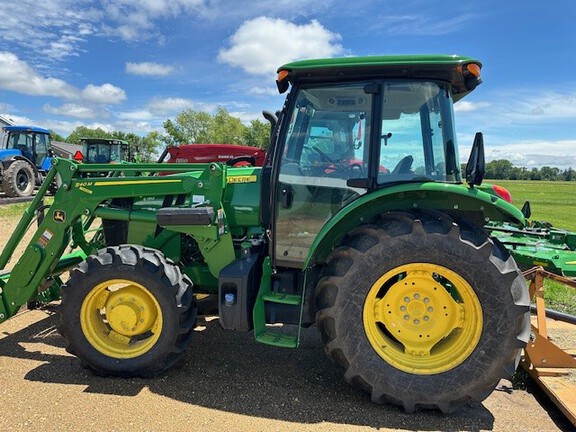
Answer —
526 210
476 166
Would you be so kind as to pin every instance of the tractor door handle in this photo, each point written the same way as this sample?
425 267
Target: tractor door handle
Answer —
286 196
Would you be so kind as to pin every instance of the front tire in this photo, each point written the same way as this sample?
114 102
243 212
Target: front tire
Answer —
423 312
127 311
18 180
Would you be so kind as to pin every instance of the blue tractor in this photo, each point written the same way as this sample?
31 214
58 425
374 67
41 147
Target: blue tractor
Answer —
25 159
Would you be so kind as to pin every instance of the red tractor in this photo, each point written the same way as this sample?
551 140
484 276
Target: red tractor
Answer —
230 154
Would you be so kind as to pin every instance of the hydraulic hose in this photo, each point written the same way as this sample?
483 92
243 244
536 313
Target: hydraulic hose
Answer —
560 316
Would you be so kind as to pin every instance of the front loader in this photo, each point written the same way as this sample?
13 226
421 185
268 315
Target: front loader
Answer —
359 222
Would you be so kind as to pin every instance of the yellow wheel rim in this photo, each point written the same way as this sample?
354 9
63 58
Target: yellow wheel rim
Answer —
422 318
121 319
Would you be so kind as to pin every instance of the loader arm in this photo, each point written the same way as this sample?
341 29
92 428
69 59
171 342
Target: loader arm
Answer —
83 188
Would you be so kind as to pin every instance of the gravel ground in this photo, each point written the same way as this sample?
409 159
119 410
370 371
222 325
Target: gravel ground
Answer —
226 382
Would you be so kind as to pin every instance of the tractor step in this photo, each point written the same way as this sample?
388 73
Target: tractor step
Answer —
272 334
277 339
283 298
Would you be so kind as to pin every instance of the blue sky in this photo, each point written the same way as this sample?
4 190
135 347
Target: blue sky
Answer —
131 64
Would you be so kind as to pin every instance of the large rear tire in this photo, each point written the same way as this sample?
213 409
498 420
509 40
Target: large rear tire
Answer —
127 311
422 311
18 180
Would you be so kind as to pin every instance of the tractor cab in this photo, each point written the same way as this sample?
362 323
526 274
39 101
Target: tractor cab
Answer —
105 150
25 159
33 143
350 127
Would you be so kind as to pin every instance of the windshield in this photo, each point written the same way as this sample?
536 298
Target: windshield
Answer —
98 153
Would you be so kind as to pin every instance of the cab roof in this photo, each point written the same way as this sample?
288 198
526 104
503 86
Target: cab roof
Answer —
450 68
25 129
103 141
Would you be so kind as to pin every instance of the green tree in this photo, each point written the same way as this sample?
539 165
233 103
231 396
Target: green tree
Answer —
54 136
535 174
499 169
549 173
174 134
226 129
150 146
258 134
85 132
190 126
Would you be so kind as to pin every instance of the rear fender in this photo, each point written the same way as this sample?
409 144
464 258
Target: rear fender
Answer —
8 155
457 200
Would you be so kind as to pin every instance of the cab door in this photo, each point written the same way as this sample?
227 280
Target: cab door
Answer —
40 149
326 144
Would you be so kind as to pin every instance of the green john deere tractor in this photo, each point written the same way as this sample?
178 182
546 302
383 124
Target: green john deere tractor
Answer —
104 150
360 222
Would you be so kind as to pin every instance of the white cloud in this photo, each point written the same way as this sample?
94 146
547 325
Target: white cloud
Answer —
263 91
52 28
134 20
247 117
136 127
65 46
550 105
60 28
530 154
5 107
169 105
149 68
418 23
522 107
260 45
523 153
19 120
103 94
139 115
558 148
17 76
73 110
466 106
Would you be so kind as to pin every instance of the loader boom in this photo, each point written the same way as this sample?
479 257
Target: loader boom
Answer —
75 206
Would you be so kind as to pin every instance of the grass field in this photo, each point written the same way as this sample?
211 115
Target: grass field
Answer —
554 202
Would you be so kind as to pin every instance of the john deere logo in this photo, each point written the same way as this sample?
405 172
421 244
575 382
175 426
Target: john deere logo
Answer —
59 216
